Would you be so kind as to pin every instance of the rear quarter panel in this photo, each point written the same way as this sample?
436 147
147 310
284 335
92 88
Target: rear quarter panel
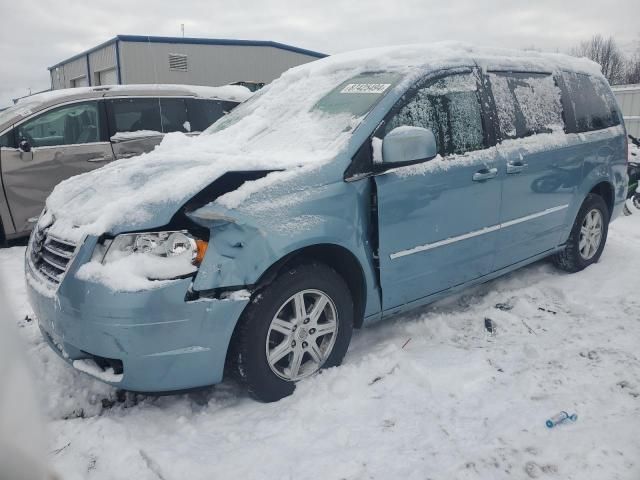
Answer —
604 160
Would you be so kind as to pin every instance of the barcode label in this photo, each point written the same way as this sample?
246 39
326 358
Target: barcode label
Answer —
365 88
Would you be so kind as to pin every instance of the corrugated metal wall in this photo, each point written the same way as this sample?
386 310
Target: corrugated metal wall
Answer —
628 97
62 76
102 60
206 64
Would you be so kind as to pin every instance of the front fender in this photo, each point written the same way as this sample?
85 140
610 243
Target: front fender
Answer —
246 241
239 253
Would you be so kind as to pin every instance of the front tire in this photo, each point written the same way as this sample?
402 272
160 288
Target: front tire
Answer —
300 323
588 236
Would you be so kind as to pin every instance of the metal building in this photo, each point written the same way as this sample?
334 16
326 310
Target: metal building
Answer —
628 97
133 59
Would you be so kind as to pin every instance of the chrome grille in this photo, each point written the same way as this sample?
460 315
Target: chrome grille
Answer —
50 255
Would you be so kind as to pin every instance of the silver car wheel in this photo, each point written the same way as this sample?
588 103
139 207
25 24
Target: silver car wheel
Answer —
301 335
590 234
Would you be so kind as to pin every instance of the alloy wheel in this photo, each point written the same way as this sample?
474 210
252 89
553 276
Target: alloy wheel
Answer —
590 234
301 335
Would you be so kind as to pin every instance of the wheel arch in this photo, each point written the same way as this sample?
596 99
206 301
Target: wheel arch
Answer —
605 190
341 259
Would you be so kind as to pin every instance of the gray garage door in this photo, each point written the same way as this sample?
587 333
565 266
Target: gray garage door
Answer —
108 77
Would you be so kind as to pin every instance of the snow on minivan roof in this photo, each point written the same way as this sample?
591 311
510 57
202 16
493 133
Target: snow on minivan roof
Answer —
277 129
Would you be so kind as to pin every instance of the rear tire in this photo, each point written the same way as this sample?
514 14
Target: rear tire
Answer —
588 236
298 324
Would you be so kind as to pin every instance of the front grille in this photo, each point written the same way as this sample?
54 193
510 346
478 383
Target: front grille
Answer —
50 255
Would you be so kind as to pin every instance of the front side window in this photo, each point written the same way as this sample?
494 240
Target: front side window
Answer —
526 103
593 104
69 125
8 140
134 115
450 107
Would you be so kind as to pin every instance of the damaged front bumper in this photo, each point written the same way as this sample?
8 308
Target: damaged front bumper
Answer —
147 341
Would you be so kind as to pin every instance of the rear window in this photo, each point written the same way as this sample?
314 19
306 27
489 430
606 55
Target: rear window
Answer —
593 104
526 103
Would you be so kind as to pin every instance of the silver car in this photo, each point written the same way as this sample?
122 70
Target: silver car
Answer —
52 136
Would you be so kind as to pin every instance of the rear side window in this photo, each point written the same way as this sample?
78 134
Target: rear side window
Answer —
204 113
134 115
450 107
593 104
173 115
526 103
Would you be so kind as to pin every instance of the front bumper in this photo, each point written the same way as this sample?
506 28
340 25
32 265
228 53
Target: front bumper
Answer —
163 342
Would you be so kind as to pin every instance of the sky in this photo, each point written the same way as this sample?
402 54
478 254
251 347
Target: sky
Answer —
36 34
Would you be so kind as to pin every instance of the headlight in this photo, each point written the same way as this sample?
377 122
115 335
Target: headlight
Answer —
164 254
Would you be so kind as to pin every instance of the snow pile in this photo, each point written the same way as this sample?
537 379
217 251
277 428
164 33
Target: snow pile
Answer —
278 129
429 394
22 441
137 134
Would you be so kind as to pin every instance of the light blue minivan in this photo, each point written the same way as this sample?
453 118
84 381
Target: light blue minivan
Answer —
351 189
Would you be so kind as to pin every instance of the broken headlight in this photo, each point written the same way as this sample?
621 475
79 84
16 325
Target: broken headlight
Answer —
178 251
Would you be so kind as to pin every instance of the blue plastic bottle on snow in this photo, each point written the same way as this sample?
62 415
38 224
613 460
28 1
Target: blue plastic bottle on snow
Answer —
560 418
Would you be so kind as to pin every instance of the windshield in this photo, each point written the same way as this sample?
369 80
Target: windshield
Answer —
358 95
22 109
350 100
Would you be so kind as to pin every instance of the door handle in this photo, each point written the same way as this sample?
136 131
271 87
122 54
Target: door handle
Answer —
485 174
128 155
515 167
98 159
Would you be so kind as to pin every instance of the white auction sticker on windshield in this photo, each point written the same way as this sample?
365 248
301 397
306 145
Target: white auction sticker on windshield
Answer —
365 88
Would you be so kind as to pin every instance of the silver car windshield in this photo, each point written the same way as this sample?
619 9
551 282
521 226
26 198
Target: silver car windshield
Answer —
17 112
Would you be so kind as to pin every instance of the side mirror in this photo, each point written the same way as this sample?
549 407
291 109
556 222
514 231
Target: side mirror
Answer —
404 146
24 146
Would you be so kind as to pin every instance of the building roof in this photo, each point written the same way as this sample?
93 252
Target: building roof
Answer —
193 41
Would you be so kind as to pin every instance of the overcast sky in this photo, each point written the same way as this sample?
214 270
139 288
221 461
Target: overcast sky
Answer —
36 34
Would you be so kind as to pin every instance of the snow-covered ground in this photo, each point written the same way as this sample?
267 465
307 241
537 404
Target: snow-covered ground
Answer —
427 395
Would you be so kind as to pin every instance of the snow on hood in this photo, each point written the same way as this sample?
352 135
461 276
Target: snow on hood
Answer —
278 129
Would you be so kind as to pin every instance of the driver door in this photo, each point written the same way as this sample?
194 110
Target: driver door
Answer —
61 143
438 220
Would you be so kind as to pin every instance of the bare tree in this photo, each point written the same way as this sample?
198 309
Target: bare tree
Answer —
604 51
633 69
